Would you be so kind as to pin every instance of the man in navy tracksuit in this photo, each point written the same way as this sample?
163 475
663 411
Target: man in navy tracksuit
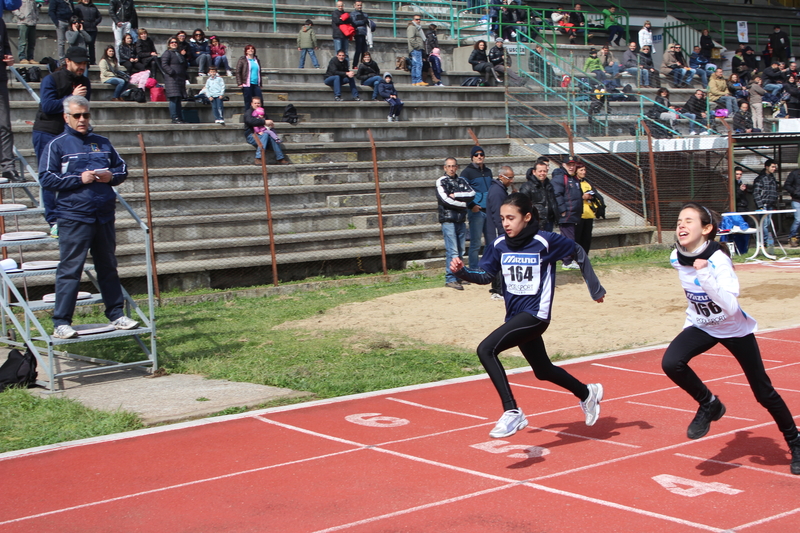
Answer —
570 203
81 167
479 178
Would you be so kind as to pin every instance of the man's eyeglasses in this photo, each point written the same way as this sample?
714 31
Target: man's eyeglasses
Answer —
479 154
77 116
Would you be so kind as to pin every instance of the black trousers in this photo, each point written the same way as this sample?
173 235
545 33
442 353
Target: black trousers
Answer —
693 341
525 331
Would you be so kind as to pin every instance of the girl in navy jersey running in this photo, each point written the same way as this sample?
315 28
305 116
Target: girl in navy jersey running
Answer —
527 257
713 316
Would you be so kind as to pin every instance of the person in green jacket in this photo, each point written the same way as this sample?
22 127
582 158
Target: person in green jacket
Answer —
612 25
307 43
593 65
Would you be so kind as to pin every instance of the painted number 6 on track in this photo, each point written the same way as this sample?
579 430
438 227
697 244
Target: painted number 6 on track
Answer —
375 420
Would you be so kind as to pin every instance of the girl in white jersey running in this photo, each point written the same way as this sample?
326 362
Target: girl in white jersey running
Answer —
527 258
713 316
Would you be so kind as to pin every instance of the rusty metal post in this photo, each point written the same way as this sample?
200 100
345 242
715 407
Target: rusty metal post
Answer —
474 137
653 180
731 175
269 211
378 200
149 212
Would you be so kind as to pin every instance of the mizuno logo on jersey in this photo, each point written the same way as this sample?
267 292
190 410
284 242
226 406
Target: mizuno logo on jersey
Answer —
697 296
522 259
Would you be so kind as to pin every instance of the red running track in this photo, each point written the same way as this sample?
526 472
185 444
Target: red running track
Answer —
420 459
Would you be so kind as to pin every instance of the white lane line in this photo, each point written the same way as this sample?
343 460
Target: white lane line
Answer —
428 435
732 357
767 519
559 492
687 410
778 340
541 388
176 486
648 452
630 370
606 441
415 509
747 385
738 465
435 408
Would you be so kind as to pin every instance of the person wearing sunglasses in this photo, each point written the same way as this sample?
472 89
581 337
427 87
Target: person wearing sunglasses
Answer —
83 167
201 52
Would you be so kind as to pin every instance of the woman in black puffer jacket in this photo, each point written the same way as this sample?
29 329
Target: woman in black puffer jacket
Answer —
480 62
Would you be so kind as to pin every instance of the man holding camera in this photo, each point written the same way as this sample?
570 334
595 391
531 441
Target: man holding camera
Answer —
82 167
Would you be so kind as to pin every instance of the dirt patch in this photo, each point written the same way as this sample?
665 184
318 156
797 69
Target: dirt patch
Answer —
642 307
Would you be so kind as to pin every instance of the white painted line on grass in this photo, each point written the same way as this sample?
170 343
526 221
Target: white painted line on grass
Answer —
688 410
630 370
435 408
738 465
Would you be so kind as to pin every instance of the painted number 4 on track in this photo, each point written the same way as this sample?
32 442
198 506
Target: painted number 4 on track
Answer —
691 488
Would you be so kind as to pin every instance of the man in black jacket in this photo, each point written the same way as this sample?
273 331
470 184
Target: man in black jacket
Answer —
340 41
569 198
124 20
360 21
539 189
765 194
792 186
267 140
697 105
453 194
779 41
773 79
60 12
68 81
339 72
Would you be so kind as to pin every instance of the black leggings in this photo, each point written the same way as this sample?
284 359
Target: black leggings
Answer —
524 331
692 341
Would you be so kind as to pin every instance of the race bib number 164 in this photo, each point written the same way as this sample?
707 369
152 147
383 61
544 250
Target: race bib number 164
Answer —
521 273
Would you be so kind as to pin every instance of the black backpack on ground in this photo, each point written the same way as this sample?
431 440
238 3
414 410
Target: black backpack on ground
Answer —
472 81
290 115
19 370
30 74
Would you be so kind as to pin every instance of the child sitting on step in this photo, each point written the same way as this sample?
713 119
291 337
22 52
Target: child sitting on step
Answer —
387 91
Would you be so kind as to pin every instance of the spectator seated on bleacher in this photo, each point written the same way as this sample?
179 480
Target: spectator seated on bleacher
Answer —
127 54
480 63
501 64
146 53
793 100
773 78
541 69
110 73
697 105
718 92
201 52
700 64
612 25
674 64
611 66
737 88
743 120
369 74
646 63
593 65
219 57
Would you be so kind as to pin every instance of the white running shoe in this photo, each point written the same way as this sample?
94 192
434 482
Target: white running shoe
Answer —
571 266
512 421
124 322
65 332
591 407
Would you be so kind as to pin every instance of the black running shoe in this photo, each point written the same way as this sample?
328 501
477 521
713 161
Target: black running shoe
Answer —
794 447
706 414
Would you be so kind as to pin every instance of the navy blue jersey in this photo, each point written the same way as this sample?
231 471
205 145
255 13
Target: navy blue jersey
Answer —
529 273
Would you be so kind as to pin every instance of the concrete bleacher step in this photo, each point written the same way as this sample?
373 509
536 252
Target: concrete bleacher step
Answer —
396 220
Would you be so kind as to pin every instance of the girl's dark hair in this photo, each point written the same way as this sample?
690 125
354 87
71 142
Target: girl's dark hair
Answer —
708 216
126 36
201 32
523 203
477 45
661 91
105 53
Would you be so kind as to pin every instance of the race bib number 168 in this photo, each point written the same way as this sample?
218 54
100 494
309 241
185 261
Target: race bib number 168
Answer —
521 273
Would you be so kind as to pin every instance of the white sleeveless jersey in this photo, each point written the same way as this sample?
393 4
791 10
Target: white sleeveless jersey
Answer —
712 297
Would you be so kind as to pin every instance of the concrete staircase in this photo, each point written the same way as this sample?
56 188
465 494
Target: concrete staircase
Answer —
210 225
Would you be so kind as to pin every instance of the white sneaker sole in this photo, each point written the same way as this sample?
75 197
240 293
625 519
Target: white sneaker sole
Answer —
598 399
